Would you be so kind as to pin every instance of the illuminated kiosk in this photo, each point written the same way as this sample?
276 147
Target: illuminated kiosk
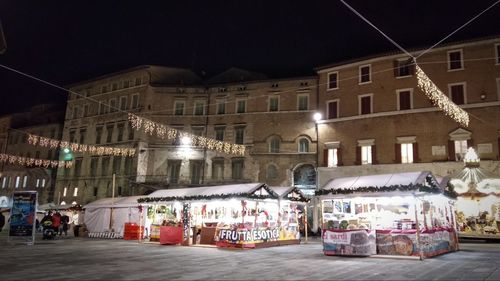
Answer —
405 214
249 215
478 202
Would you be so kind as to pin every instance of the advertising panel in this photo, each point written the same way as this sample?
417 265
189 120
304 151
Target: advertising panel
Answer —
23 214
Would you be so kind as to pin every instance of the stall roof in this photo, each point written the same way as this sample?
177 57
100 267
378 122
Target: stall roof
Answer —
118 202
53 206
290 193
379 180
208 192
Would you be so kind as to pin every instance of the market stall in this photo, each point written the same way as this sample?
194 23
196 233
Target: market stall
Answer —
405 214
242 215
110 215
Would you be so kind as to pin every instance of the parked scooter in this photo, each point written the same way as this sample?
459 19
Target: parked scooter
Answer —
48 231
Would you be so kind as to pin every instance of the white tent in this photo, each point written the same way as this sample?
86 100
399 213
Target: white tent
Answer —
98 214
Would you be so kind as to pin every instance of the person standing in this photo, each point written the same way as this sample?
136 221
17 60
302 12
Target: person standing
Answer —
64 225
2 221
56 222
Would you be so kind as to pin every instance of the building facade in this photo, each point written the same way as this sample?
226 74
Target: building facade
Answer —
44 120
272 118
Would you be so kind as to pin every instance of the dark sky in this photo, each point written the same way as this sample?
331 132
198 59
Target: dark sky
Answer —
68 41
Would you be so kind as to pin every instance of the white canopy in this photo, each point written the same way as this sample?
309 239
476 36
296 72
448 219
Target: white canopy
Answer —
289 192
379 180
223 190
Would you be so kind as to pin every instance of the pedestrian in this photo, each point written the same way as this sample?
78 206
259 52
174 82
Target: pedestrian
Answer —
56 222
2 221
64 225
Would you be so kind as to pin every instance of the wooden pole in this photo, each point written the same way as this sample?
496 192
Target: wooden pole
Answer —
112 203
305 222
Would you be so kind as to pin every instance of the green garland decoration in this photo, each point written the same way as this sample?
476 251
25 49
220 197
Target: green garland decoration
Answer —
203 197
410 187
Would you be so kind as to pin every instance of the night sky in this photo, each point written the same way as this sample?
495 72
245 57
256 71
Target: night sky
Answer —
65 42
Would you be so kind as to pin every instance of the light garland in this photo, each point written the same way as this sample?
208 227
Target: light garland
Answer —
441 100
163 132
29 162
83 148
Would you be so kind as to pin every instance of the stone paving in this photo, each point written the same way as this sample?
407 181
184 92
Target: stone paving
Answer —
102 259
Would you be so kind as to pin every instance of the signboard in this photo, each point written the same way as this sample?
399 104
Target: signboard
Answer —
23 214
349 242
252 236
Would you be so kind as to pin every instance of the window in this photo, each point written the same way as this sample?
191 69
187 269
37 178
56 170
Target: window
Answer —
407 153
364 74
174 167
72 134
37 184
457 93
65 191
76 108
333 109
365 104
4 182
239 135
25 181
219 133
272 172
366 155
218 169
86 110
17 182
128 165
114 86
196 171
135 101
93 166
460 149
82 136
274 103
497 54
333 80
126 84
403 68
221 106
121 128
102 108
332 157
179 108
365 152
138 81
104 89
303 102
98 134
37 154
237 166
43 183
95 190
130 132
117 162
241 106
75 192
274 145
198 130
405 99
455 60
109 133
112 105
123 103
78 167
199 108
104 166
303 145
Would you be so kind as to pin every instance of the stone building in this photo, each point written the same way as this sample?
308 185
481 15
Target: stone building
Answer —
44 120
271 117
377 120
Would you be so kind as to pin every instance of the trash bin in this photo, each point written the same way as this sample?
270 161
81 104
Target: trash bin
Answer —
76 228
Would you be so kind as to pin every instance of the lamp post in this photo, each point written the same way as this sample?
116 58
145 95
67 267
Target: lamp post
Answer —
317 116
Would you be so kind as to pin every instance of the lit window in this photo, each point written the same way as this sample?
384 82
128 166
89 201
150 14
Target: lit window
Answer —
75 192
65 190
460 149
37 183
25 181
366 155
333 160
43 182
407 153
4 182
18 180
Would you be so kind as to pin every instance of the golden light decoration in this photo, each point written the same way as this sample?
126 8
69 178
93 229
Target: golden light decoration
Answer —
24 161
162 131
83 148
441 100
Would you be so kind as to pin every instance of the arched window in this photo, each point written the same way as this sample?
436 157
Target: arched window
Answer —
274 145
303 145
272 172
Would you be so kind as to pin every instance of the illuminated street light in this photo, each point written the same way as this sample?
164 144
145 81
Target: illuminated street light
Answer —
185 141
317 116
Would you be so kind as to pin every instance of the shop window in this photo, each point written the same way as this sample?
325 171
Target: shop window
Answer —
303 145
274 103
274 145
333 80
174 168
333 109
272 172
237 166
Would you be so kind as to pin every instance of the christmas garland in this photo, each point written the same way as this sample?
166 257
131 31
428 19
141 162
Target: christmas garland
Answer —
410 187
203 197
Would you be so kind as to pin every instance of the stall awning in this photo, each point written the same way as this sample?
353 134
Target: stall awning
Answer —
291 193
247 190
118 202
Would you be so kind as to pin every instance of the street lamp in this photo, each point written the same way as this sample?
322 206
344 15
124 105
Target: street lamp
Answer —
317 116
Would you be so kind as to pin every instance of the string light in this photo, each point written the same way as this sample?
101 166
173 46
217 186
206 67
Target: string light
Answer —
25 161
162 131
83 148
440 100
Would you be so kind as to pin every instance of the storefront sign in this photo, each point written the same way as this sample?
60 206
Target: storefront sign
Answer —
22 214
349 242
337 237
247 236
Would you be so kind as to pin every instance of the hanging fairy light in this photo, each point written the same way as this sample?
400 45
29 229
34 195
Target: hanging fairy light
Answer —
441 100
162 131
29 162
83 148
